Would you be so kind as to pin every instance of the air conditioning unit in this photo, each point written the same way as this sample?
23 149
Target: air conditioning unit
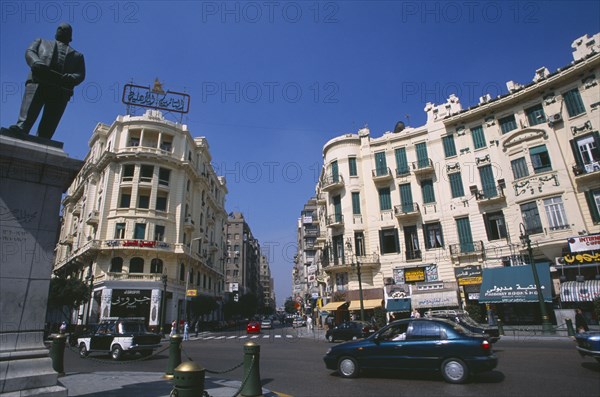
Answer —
555 118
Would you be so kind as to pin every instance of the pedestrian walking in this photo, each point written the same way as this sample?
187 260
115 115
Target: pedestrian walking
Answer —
173 328
415 314
309 323
197 327
580 321
186 331
63 327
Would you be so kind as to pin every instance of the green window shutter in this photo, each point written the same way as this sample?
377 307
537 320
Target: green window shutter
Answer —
401 162
427 189
385 202
335 172
593 204
449 145
465 238
352 166
406 197
488 183
456 186
422 156
574 102
356 203
380 164
478 137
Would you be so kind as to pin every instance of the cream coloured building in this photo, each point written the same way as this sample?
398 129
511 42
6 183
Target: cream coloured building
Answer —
144 216
425 209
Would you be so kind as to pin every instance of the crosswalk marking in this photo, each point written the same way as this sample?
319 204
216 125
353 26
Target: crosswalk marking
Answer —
207 336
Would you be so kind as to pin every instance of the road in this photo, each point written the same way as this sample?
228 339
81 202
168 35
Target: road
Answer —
294 365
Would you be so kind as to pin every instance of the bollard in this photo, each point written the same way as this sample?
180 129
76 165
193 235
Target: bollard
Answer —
174 356
57 352
188 380
500 327
570 329
252 386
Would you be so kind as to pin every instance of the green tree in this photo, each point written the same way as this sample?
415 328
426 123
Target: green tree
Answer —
202 306
289 306
66 294
248 305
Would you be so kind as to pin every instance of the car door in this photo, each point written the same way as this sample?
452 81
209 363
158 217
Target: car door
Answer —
342 331
426 343
387 349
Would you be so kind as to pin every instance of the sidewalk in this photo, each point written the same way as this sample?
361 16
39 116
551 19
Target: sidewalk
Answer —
147 384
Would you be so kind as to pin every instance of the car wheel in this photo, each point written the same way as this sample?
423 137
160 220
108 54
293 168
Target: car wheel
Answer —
83 351
116 353
455 370
348 367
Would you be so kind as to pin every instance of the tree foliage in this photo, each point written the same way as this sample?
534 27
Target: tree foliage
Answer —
289 306
66 294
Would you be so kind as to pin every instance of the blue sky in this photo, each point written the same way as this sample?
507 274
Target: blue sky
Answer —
272 81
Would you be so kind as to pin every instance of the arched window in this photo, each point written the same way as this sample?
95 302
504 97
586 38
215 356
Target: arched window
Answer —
116 265
136 265
182 272
156 266
191 276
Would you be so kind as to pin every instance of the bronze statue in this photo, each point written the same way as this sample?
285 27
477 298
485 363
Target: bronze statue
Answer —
56 69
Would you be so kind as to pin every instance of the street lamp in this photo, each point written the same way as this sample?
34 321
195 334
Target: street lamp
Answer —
163 304
524 236
360 290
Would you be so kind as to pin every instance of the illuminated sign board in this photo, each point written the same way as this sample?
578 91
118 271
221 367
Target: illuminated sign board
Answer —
156 98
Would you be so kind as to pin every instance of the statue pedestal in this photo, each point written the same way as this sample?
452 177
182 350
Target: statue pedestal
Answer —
33 176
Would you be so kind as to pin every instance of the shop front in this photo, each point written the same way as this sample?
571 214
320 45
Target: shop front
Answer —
434 295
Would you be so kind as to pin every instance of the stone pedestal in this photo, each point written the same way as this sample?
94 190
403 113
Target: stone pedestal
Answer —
33 176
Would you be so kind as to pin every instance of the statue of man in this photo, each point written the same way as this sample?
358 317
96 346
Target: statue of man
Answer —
56 69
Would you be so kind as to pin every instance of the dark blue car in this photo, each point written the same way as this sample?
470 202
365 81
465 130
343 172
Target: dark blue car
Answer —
424 344
588 344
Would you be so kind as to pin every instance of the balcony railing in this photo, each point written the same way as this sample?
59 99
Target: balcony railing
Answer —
467 248
403 171
93 217
406 210
335 220
582 171
492 194
382 174
330 182
350 261
422 166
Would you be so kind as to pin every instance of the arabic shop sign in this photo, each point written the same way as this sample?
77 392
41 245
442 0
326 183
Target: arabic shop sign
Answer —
156 98
468 275
579 259
137 243
515 284
584 243
415 274
130 303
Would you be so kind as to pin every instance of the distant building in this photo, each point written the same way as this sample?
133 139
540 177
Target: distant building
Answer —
242 268
425 210
267 285
145 215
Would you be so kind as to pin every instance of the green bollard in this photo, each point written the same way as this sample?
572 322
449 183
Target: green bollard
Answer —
57 353
570 329
174 356
188 380
500 327
252 386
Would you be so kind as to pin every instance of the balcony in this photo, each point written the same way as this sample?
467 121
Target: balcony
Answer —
93 217
491 195
321 198
331 182
402 172
348 263
423 167
77 209
406 211
130 276
189 223
382 175
586 172
310 233
335 220
466 249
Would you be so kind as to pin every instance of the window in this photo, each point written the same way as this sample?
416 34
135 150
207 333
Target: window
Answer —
535 115
159 233
540 159
337 208
161 201
432 233
120 231
422 156
465 238
425 330
406 200
128 170
164 174
388 241
144 200
586 150
531 218
449 146
555 211
356 203
519 168
385 200
359 243
166 146
427 191
495 226
488 183
574 102
478 137
125 200
341 281
381 167
411 243
181 272
593 200
136 265
116 265
352 166
335 174
134 141
139 232
507 124
401 162
456 185
146 172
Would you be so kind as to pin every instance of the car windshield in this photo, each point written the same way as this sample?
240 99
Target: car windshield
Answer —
132 327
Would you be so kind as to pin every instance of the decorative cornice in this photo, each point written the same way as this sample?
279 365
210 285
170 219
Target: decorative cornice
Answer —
585 127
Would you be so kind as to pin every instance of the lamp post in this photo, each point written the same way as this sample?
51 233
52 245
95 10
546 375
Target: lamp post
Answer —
360 291
163 304
524 236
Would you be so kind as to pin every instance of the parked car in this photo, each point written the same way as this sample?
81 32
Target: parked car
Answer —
350 330
253 327
424 344
298 322
462 317
119 336
266 324
588 344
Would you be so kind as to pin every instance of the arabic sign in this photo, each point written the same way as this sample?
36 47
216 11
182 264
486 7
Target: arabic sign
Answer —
414 274
515 284
191 292
579 259
130 303
137 95
468 275
584 243
435 299
137 243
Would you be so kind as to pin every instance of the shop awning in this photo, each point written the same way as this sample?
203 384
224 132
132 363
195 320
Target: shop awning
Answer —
398 305
332 306
435 299
586 291
367 304
515 284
